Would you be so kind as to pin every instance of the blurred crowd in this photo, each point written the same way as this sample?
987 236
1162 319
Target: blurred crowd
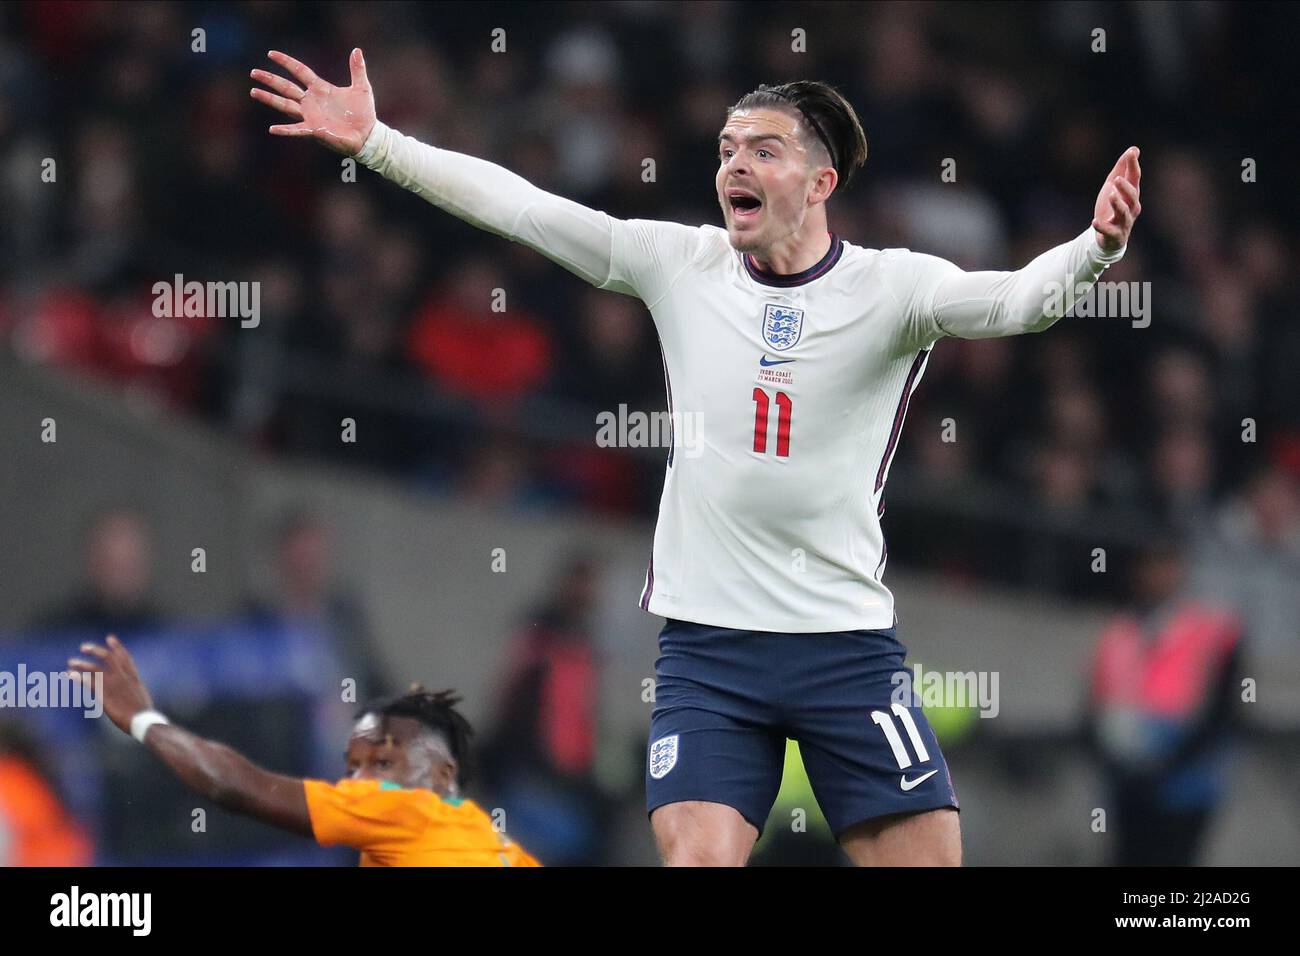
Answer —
377 307
128 156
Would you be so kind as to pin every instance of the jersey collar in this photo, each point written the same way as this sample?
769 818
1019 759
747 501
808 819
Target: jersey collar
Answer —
815 271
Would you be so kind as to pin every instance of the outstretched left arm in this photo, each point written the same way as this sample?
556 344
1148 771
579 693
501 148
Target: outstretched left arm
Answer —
977 305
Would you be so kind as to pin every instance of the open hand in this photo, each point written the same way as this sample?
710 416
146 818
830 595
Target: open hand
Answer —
124 692
1117 205
339 117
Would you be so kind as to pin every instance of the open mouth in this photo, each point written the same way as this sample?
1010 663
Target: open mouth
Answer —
743 205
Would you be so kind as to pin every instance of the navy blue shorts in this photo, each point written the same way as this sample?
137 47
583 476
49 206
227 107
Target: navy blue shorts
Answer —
726 700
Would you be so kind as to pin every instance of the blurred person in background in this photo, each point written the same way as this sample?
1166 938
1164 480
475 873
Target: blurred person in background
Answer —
470 347
481 348
498 471
36 828
1065 477
541 759
1162 712
1181 386
1249 559
979 390
605 365
606 348
1182 477
116 597
343 328
307 595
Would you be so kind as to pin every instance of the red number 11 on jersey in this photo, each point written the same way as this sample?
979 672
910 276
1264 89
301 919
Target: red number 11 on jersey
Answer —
783 408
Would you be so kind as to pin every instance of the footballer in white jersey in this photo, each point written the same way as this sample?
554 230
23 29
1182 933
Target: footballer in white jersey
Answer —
790 357
788 395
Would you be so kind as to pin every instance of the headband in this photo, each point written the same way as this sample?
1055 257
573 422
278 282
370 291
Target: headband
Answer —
835 164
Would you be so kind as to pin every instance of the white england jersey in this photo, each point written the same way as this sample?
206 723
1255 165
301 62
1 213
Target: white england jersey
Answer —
788 394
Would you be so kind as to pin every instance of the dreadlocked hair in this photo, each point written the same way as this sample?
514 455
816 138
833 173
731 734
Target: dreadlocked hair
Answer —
832 120
436 710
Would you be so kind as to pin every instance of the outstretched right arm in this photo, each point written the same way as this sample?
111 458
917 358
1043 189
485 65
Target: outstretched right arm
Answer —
635 257
493 198
213 770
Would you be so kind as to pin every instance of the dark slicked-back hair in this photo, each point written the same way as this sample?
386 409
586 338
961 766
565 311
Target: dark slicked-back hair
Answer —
436 710
829 116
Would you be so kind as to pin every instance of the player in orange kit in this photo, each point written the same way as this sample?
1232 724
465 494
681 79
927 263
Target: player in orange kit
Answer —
399 805
36 828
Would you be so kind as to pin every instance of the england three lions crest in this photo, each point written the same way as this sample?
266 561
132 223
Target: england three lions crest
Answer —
663 756
782 326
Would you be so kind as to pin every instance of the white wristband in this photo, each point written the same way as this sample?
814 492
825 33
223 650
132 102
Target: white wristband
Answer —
142 721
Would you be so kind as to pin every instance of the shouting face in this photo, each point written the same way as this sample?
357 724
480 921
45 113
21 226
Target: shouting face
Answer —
772 171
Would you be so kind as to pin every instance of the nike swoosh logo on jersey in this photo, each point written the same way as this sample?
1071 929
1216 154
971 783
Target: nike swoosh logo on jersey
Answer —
765 363
909 784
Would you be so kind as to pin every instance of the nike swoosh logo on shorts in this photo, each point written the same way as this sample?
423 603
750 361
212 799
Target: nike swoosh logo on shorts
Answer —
909 784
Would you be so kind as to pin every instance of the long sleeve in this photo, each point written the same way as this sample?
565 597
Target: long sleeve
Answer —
940 299
635 256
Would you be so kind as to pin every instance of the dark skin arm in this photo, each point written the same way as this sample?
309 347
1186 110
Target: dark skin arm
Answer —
210 769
